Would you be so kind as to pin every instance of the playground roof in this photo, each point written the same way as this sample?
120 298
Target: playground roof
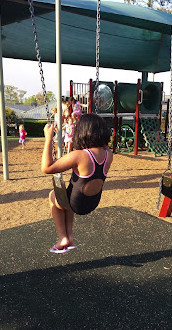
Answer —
132 37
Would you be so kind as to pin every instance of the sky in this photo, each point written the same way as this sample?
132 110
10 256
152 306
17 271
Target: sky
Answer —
25 75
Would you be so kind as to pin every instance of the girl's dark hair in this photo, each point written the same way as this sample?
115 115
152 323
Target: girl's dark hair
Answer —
70 100
90 131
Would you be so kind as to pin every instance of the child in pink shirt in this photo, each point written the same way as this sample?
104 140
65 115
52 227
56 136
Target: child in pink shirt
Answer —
76 108
22 134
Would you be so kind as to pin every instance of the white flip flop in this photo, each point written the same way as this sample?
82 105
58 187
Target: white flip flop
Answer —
72 247
54 249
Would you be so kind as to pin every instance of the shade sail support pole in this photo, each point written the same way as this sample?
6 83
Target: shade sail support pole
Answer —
58 64
2 117
144 76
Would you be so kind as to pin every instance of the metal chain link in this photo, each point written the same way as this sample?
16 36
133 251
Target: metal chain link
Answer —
160 191
169 133
97 54
170 118
38 56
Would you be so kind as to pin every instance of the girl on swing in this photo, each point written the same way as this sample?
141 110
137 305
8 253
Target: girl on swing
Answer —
90 162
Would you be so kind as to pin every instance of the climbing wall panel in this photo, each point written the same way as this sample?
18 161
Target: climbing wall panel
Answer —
153 136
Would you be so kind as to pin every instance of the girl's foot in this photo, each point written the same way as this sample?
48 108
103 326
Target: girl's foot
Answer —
63 243
71 245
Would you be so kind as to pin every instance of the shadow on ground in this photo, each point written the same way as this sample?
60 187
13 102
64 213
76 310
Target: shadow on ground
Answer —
134 182
119 278
24 195
145 156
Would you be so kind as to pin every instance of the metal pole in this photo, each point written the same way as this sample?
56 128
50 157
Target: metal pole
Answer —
115 120
58 63
137 117
2 117
160 106
144 76
90 96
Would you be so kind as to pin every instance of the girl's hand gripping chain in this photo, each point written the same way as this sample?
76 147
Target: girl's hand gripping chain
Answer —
49 132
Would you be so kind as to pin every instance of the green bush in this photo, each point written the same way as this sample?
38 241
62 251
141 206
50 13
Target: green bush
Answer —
35 127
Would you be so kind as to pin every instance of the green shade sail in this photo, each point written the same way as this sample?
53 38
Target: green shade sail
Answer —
131 37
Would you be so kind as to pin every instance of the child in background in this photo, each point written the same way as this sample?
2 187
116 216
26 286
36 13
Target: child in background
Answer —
76 108
90 162
63 131
54 110
69 130
74 118
22 134
66 114
64 105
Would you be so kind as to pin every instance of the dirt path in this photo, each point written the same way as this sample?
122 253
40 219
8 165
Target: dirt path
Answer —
133 181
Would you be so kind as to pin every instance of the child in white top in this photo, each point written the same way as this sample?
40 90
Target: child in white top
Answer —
54 110
69 130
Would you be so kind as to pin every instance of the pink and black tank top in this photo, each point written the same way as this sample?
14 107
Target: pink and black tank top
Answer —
79 202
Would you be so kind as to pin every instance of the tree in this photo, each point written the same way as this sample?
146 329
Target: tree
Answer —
163 5
10 115
50 96
30 100
39 98
13 95
21 95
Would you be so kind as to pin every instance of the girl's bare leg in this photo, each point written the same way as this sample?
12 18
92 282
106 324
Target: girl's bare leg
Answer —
69 218
58 215
68 147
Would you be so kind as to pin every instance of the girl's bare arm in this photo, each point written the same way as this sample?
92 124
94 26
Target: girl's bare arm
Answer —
48 165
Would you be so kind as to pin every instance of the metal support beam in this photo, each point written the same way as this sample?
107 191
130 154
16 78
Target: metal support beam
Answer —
58 64
144 76
2 118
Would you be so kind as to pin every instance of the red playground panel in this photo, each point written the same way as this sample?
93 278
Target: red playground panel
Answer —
166 208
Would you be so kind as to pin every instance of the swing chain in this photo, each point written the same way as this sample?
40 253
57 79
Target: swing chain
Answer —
97 54
170 118
38 56
160 191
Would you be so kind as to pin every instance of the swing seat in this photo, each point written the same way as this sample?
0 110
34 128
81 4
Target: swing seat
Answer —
167 186
60 191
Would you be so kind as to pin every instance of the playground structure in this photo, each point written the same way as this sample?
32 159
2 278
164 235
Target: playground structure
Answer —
132 111
148 35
